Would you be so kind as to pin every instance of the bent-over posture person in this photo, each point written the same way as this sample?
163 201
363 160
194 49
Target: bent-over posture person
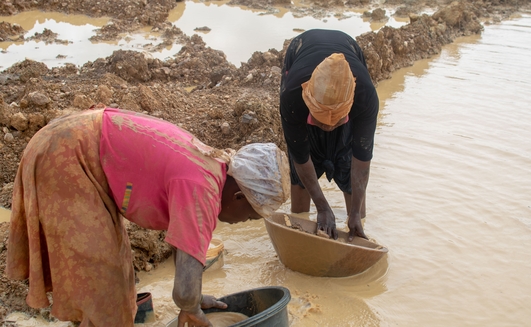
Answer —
82 173
329 107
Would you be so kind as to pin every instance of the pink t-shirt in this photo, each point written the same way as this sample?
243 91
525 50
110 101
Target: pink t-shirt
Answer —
161 179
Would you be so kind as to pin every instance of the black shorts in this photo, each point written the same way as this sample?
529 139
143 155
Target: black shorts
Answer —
330 154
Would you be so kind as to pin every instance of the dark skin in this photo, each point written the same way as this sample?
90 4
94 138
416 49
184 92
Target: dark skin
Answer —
189 271
355 202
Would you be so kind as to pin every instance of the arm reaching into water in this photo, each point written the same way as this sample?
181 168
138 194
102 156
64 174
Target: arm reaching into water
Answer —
187 291
326 220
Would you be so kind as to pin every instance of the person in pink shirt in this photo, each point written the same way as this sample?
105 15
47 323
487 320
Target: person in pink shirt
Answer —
82 173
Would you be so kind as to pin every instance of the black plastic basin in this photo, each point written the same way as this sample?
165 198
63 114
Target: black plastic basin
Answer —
265 307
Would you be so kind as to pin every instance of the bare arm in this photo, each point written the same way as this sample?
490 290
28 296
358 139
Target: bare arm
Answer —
187 289
325 217
359 178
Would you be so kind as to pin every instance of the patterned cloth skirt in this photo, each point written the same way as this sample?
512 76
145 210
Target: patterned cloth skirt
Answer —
66 233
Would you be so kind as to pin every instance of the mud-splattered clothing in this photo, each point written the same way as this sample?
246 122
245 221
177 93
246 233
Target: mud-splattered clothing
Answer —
331 152
160 179
67 234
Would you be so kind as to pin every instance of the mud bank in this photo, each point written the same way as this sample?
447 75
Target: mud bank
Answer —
198 89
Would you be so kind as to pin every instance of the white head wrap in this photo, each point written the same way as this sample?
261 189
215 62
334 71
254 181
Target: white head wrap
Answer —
262 173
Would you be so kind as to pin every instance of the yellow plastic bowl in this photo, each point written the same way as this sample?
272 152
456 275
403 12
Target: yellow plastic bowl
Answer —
307 253
214 255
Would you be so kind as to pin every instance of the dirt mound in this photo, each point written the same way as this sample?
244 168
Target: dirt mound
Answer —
149 248
146 12
11 32
47 36
12 293
198 89
392 48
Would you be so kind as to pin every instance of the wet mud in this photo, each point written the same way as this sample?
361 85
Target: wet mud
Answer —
198 89
11 32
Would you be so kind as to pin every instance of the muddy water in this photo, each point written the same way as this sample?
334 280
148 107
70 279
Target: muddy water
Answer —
77 29
5 215
263 31
449 195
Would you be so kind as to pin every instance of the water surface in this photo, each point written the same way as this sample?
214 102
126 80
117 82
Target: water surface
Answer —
237 31
449 196
5 215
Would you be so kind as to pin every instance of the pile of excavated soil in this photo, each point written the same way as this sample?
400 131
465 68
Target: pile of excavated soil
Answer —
11 32
198 89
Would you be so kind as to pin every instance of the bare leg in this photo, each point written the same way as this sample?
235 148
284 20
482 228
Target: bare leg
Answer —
363 212
300 199
349 204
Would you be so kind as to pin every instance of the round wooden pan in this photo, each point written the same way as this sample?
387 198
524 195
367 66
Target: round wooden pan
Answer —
303 251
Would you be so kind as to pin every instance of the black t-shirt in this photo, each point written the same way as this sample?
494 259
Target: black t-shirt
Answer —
306 52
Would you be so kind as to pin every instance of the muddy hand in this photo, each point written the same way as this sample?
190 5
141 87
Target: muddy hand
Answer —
355 228
193 319
326 222
210 301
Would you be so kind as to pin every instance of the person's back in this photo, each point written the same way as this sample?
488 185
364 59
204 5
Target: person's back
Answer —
310 48
67 226
329 109
305 53
160 178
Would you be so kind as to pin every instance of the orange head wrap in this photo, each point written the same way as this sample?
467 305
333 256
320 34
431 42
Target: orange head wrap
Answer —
329 93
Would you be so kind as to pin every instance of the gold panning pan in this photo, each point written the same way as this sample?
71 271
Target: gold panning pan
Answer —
299 249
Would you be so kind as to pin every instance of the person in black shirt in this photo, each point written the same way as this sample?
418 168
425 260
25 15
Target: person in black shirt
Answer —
329 108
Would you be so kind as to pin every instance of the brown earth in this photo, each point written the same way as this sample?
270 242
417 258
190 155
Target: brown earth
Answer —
11 32
198 89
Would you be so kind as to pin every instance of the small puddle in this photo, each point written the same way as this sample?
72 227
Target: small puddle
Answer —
75 31
263 30
5 215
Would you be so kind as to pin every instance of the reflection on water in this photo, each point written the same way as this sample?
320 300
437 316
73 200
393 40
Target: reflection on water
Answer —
28 19
451 182
251 261
76 29
449 196
262 31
